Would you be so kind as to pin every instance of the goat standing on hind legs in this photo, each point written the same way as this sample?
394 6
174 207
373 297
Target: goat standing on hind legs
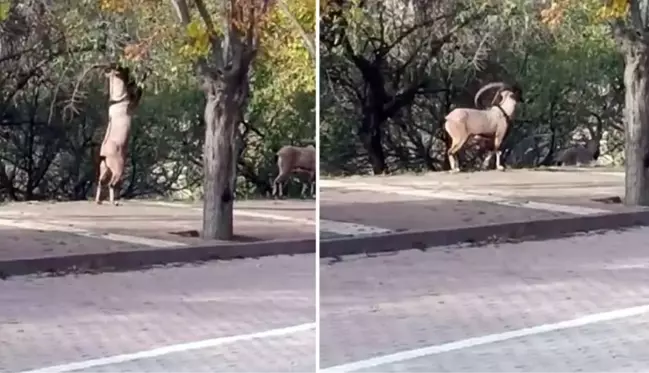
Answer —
295 159
491 123
124 97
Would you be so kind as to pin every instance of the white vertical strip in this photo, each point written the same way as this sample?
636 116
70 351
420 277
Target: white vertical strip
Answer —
317 191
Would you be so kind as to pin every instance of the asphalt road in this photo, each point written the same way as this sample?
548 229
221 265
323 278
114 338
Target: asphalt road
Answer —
575 304
239 316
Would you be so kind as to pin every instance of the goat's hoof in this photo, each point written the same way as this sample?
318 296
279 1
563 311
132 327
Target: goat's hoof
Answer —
454 170
98 202
500 168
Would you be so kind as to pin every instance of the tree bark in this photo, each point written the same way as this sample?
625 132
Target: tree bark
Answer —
226 98
226 88
370 134
636 81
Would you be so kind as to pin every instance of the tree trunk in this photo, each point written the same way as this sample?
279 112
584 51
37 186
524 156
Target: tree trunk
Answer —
636 81
226 99
374 146
370 134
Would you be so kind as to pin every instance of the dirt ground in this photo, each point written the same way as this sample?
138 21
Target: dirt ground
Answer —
439 200
37 229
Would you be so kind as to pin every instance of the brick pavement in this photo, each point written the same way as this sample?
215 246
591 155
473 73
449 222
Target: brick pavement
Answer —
374 306
47 321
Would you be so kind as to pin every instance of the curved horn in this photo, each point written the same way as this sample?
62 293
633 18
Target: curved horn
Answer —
518 92
476 99
497 97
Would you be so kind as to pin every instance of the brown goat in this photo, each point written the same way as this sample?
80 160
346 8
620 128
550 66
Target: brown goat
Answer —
295 159
124 97
579 154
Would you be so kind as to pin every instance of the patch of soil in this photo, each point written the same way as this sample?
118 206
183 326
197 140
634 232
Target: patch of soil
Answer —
193 233
608 200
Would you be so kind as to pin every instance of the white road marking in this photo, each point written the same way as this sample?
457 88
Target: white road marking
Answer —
261 215
443 194
331 226
487 339
23 224
576 210
350 229
172 349
250 214
610 173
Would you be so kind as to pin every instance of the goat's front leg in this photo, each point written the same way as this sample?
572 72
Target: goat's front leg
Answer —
499 165
278 186
274 191
312 184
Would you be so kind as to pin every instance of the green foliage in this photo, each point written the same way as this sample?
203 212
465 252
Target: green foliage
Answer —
5 6
199 44
570 72
47 151
284 49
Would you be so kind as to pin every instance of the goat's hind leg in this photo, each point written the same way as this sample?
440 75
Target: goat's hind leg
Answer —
104 174
458 137
116 164
452 153
278 185
111 190
305 185
98 193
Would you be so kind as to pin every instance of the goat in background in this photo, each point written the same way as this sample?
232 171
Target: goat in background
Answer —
295 159
579 154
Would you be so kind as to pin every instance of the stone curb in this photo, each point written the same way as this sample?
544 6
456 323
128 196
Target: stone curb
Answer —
141 259
531 230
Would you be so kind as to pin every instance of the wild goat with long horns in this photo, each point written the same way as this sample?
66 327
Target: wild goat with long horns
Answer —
124 97
491 123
